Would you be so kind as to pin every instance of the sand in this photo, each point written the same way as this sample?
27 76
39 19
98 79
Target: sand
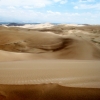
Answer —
46 44
60 71
49 62
41 80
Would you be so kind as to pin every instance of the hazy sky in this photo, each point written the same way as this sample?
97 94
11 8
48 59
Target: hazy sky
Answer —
54 11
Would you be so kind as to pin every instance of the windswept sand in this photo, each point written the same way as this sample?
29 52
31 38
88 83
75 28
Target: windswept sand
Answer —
68 73
46 44
50 80
48 92
48 62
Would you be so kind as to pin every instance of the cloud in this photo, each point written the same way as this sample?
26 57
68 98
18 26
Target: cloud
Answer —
54 13
12 7
78 2
28 7
27 11
61 1
76 7
34 3
86 0
88 6
50 16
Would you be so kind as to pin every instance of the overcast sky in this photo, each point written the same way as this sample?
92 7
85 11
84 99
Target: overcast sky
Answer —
52 11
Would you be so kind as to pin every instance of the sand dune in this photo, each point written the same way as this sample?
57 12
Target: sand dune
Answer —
30 26
46 45
41 80
33 39
41 75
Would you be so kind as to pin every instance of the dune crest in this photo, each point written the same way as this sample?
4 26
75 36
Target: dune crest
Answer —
45 44
71 48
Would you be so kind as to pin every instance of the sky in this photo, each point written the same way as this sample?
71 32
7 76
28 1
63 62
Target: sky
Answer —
50 11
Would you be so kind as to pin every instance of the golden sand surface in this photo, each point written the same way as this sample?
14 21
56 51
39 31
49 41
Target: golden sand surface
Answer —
69 73
50 80
37 44
57 63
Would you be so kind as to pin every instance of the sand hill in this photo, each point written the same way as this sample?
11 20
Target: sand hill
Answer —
57 42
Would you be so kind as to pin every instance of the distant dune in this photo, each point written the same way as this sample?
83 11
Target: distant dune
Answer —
15 24
58 42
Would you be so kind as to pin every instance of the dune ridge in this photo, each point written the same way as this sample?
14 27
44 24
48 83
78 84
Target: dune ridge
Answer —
33 44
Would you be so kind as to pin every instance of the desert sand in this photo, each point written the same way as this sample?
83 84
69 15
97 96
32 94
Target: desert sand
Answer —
41 80
57 42
50 62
